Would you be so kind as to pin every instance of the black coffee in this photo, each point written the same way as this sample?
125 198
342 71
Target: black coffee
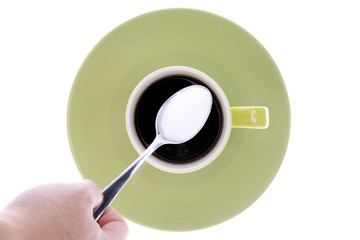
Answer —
145 114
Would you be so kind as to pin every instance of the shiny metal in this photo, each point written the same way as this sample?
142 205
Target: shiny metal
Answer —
111 191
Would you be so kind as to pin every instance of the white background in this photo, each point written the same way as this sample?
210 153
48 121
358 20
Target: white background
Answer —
316 45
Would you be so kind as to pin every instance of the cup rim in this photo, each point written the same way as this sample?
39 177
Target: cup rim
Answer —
209 82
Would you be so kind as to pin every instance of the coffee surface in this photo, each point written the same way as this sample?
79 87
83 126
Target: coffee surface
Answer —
145 115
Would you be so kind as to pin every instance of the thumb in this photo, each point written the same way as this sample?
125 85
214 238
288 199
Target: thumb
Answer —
113 225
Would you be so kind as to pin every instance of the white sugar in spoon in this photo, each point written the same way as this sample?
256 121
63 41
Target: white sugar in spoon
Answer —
179 119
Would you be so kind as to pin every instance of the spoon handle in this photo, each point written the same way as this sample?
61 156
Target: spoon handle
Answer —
111 190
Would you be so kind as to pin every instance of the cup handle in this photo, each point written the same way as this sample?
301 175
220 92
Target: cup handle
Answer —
256 117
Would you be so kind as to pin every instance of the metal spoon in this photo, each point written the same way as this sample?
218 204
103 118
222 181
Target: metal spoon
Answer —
179 119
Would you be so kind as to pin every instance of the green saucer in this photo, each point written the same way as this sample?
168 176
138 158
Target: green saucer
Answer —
215 46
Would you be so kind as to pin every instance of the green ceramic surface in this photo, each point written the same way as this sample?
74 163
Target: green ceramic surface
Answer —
249 117
215 46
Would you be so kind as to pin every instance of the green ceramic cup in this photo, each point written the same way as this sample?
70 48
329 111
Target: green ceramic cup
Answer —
252 117
243 71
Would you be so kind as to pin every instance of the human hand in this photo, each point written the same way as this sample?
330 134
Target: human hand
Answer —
60 211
